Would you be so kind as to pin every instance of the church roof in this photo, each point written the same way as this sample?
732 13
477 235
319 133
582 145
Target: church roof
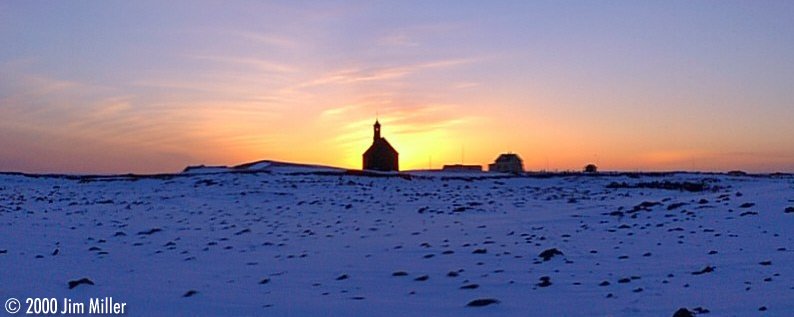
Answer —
380 145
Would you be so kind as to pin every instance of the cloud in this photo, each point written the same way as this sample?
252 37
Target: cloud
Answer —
367 74
435 125
336 111
26 86
398 40
260 64
266 39
90 117
411 36
43 99
113 106
347 76
262 39
465 85
445 63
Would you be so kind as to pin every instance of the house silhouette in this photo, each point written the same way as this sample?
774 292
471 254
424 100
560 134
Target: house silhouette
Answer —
380 156
507 163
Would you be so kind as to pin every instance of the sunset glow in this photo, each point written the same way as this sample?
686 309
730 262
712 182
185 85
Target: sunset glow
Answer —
146 86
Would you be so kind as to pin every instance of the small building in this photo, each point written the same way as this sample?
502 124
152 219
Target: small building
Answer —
462 168
591 168
507 163
380 156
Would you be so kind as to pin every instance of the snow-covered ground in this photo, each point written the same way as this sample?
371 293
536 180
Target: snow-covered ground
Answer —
277 240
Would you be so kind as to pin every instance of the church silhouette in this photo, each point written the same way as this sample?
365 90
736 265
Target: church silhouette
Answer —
380 156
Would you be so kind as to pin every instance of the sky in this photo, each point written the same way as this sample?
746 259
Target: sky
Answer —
154 86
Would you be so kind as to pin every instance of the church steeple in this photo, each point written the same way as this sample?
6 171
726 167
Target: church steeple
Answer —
380 156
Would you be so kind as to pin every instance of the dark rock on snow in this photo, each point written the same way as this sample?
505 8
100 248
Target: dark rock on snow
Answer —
150 231
549 253
480 251
683 312
75 283
482 302
707 269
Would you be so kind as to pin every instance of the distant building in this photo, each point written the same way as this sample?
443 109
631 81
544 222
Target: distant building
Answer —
381 156
591 168
737 173
507 163
462 168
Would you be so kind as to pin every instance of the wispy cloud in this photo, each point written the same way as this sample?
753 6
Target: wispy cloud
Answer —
266 39
260 64
398 40
355 75
412 36
89 117
367 74
30 96
465 85
263 39
336 111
